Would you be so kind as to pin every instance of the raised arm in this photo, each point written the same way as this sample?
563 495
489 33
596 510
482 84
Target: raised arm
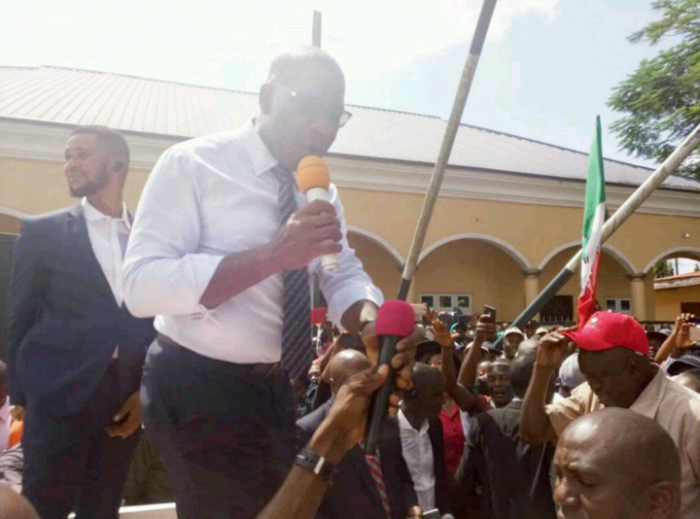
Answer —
678 341
464 398
535 427
301 494
467 373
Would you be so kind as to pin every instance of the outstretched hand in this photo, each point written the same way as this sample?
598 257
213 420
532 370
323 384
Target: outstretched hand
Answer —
345 424
682 331
442 334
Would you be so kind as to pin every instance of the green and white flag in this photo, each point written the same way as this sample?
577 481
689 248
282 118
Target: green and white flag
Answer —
593 219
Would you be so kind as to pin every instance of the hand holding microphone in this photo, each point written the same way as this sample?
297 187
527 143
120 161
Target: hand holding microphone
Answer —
313 181
311 232
394 328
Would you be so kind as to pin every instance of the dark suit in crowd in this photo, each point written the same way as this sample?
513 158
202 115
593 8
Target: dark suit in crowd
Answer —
442 491
502 475
353 493
65 324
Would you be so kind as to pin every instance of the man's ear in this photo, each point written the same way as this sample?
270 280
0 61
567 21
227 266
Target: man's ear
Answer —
117 164
664 500
265 98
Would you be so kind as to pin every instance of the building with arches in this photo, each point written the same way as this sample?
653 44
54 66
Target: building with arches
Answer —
508 218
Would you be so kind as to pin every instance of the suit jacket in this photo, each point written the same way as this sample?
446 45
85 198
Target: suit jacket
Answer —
503 469
64 320
442 492
353 493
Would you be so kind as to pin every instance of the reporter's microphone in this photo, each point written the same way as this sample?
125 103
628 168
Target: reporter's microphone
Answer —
395 321
313 181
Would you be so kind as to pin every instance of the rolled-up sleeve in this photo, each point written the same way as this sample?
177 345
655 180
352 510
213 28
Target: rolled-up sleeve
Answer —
565 411
350 283
165 273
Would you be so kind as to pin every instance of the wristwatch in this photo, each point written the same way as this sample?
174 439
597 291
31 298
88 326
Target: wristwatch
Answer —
314 463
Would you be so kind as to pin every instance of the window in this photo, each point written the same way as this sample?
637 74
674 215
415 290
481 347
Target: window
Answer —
428 300
445 302
560 309
621 305
448 302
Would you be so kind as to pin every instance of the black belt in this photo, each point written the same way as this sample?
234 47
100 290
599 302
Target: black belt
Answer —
264 369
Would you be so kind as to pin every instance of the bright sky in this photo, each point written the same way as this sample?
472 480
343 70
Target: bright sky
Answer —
547 68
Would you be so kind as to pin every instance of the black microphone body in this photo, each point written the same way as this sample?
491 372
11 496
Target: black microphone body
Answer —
380 401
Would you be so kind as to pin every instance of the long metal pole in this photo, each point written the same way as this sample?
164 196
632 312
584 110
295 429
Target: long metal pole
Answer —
316 31
465 84
613 223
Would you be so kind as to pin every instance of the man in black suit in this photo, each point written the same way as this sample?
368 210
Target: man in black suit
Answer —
354 492
76 353
502 475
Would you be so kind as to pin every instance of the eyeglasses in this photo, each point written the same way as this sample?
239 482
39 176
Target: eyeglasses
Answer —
311 110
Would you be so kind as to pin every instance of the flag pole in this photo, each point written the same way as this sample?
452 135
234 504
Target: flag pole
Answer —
465 84
690 144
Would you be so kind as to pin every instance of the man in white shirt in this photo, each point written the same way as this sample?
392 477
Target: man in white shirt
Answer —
221 255
422 442
76 354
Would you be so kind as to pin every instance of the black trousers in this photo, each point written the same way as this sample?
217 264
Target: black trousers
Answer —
226 434
71 464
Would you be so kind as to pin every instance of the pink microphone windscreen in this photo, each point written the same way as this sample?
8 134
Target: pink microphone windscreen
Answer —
395 318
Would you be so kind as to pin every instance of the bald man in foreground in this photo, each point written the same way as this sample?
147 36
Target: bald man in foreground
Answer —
355 492
617 464
14 505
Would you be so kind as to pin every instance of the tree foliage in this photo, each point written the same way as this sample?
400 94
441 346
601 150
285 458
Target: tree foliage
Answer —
661 99
663 269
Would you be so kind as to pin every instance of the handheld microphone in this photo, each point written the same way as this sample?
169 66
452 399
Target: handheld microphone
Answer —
395 321
313 181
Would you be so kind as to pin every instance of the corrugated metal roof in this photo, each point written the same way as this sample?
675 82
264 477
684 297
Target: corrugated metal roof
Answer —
159 107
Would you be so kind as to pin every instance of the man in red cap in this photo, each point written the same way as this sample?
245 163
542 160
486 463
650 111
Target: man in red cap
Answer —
613 357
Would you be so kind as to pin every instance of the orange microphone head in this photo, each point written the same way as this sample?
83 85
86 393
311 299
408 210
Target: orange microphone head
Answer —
312 172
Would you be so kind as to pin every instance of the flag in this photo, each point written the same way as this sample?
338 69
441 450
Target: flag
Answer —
594 214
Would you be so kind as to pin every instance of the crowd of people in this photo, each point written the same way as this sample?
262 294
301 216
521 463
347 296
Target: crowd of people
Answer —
456 443
163 356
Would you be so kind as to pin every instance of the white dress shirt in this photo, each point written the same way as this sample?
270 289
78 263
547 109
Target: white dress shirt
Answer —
108 237
204 199
418 454
4 425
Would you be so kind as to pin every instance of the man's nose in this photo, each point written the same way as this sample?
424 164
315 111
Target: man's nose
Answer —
565 495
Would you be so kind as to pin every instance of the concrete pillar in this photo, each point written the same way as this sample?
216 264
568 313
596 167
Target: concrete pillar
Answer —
639 308
532 284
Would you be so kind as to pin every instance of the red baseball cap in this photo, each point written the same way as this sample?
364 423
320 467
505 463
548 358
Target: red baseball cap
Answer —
605 330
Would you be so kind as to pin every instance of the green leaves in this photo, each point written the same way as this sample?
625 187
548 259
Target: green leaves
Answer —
661 99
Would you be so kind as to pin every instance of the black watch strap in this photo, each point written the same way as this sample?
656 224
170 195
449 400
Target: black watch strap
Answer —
314 463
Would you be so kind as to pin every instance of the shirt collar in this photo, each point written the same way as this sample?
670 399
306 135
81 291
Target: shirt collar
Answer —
261 159
649 400
453 414
405 425
92 214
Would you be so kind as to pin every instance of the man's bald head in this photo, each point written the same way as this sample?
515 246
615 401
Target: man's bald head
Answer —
290 67
302 105
617 463
528 346
425 399
14 505
344 365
